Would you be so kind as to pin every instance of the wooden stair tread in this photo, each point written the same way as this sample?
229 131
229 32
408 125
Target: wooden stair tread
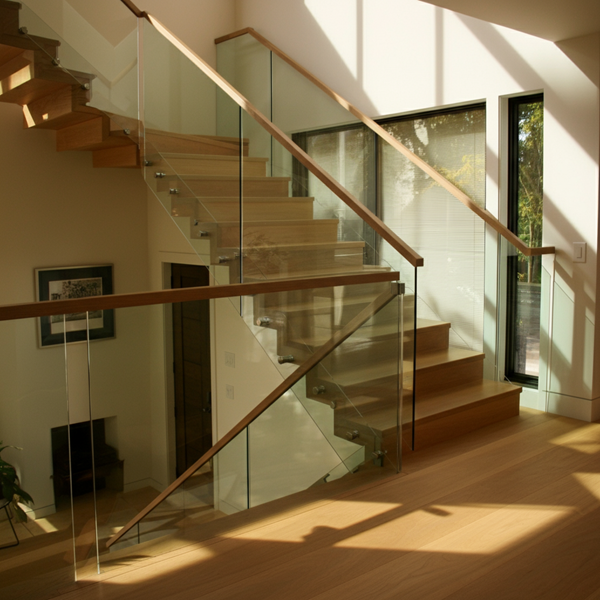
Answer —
195 177
338 270
303 247
278 223
208 157
456 400
255 199
451 354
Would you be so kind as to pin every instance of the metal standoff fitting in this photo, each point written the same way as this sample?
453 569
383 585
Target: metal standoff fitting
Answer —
56 62
201 233
127 131
224 259
379 454
173 191
333 404
263 321
159 175
85 86
352 435
319 389
23 30
148 163
289 358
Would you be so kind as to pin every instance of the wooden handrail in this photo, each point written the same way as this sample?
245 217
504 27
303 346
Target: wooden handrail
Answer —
140 14
364 213
326 349
482 213
47 308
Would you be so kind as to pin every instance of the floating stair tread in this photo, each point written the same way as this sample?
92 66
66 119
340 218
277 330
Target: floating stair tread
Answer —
454 401
165 141
458 399
430 360
375 333
209 157
338 270
308 247
194 177
279 223
17 40
385 367
254 199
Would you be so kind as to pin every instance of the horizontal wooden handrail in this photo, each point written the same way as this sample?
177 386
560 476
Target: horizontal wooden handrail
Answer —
47 308
362 211
482 213
326 349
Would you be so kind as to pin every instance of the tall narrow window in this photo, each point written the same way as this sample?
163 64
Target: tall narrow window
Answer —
526 137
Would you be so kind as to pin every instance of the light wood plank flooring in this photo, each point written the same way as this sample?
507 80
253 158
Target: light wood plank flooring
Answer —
510 511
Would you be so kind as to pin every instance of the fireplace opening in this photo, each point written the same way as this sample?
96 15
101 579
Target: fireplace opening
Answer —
78 471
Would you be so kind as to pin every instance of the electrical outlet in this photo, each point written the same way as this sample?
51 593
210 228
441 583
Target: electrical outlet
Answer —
230 359
229 391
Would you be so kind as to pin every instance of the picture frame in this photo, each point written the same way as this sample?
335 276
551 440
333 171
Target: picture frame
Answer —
61 283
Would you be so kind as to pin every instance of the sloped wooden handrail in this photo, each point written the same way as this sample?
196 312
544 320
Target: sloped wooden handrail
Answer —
482 213
10 312
326 349
140 14
362 211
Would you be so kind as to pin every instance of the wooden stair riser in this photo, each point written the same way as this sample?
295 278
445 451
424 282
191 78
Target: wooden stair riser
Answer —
475 416
14 39
64 107
188 164
254 209
9 17
224 186
447 375
119 157
94 134
163 142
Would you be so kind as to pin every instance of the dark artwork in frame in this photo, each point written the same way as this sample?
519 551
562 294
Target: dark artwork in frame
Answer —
64 283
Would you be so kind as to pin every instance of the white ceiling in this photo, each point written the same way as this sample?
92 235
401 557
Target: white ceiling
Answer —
552 20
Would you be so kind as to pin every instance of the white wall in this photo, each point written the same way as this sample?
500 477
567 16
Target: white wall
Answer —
399 56
59 211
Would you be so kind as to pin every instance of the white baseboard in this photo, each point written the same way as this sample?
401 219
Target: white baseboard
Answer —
573 407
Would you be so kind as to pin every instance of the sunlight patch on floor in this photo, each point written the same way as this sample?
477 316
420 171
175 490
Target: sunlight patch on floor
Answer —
346 514
590 481
584 439
488 528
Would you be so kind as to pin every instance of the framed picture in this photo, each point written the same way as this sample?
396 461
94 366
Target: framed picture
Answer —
75 282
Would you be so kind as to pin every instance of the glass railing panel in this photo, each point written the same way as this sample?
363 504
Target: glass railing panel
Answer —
450 235
246 64
99 51
192 164
36 405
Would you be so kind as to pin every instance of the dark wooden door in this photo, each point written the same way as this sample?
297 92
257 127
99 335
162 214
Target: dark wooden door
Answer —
191 348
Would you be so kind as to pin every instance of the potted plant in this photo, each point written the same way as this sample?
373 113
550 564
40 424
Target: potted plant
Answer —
10 489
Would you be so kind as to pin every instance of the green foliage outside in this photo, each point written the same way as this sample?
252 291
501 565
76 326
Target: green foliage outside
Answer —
531 185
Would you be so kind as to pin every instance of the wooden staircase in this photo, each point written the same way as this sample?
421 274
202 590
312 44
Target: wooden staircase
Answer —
198 178
53 99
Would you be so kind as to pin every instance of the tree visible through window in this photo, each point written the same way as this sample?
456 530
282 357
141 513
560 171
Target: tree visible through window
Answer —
526 181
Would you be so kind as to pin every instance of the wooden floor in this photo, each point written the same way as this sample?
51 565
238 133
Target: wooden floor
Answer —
511 511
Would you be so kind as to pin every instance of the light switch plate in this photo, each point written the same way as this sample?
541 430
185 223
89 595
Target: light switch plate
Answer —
579 252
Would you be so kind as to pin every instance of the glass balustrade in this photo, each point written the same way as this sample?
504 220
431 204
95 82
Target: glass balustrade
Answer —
126 428
101 55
